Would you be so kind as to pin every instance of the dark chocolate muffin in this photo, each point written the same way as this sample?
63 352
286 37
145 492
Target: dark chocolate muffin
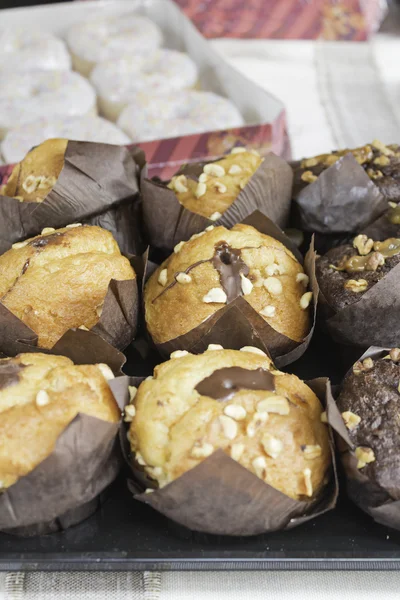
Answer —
345 273
381 163
370 405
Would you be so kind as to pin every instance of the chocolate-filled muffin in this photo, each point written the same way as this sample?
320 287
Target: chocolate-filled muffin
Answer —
345 273
369 402
268 421
217 184
380 162
217 266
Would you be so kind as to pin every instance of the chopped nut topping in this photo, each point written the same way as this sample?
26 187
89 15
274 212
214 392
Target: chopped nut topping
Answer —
47 230
201 189
273 286
252 349
178 247
351 420
260 467
234 170
229 427
382 161
311 451
42 398
272 446
235 411
163 276
309 176
203 178
215 216
19 245
273 269
178 353
308 482
238 150
363 244
259 418
268 311
197 235
183 278
302 278
31 183
274 404
395 354
309 162
220 187
392 204
216 295
148 491
305 300
364 456
180 184
375 260
105 371
215 347
237 451
324 417
201 450
130 412
374 174
356 285
382 148
242 183
132 392
72 225
140 460
246 285
209 228
214 170
365 365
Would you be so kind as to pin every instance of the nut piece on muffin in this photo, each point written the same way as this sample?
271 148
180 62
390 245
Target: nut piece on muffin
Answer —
40 395
35 176
345 273
216 266
381 163
59 280
268 421
369 402
217 187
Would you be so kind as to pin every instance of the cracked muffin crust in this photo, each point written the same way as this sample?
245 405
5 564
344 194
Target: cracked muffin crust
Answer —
59 279
268 421
218 265
213 191
40 395
345 273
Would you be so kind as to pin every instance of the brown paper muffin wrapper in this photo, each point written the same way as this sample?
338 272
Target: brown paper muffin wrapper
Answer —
373 320
343 199
167 222
367 494
238 324
98 185
117 324
382 228
219 496
65 488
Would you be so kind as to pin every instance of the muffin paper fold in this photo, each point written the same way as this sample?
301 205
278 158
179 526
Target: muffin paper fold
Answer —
367 494
374 320
69 485
342 199
98 185
220 496
117 324
167 222
238 324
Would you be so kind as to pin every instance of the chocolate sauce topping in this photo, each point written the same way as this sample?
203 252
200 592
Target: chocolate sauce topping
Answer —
9 373
53 238
229 264
224 383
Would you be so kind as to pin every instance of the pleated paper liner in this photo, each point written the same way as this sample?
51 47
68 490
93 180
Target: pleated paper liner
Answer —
68 486
167 222
98 185
367 494
342 199
117 323
221 497
238 324
383 228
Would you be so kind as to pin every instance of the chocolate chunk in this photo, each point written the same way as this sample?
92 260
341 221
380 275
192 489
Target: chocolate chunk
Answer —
229 264
224 383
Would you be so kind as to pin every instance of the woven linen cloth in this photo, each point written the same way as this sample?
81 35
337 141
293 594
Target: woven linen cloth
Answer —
336 95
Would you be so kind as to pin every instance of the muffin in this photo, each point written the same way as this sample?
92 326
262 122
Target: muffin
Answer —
59 279
380 162
235 401
217 266
347 272
218 184
40 395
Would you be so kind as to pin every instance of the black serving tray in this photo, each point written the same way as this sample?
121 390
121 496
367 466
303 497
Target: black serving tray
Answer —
126 535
